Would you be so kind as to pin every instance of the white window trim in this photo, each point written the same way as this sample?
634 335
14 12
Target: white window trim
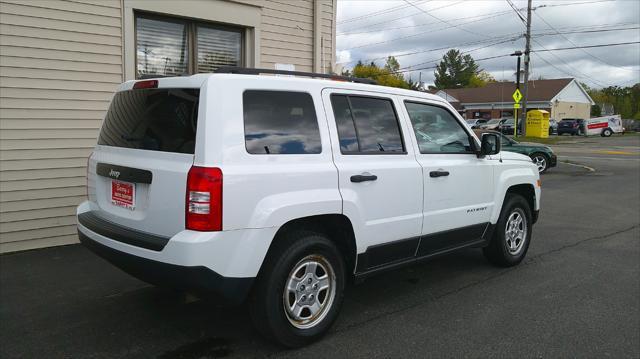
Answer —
222 12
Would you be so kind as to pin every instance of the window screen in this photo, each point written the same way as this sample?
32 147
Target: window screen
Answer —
279 122
217 48
161 47
366 125
437 130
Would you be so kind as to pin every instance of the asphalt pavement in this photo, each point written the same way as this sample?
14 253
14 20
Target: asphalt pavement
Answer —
577 294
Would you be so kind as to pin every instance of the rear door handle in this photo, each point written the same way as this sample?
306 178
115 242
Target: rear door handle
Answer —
438 173
363 178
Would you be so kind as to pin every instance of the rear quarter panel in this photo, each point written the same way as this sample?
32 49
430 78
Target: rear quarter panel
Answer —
261 190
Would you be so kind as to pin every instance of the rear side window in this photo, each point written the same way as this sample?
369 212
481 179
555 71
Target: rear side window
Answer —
280 122
153 119
366 125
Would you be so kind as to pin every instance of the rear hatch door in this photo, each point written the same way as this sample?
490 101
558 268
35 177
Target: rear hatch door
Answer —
138 171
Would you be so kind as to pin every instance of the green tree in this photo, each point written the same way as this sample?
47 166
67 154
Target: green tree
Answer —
455 70
596 111
385 76
481 79
625 100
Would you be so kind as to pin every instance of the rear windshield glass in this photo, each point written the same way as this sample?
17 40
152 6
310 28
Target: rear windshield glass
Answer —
153 119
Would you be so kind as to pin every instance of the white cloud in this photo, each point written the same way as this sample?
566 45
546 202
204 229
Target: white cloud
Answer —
367 35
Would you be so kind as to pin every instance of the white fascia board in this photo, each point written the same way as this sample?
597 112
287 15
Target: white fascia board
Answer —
573 85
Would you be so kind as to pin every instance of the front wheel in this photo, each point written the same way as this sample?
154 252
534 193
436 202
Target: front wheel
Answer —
299 290
541 161
607 132
512 234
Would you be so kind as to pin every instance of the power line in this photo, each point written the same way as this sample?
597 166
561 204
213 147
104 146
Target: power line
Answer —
586 46
445 21
573 3
581 49
376 13
569 73
584 31
517 12
424 32
433 67
350 32
470 43
491 14
583 75
464 52
403 17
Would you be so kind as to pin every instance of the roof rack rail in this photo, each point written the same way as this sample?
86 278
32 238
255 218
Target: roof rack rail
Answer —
254 71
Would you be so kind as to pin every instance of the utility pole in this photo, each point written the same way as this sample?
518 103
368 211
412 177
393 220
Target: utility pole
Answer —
515 114
527 53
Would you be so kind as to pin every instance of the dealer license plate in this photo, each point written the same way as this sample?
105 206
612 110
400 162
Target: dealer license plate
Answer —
123 194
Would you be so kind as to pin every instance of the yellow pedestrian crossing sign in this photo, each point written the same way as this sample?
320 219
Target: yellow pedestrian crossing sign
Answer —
517 96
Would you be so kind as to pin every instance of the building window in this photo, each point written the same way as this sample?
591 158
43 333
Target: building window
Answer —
173 47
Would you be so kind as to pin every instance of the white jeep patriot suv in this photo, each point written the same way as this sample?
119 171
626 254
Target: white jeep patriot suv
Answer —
280 189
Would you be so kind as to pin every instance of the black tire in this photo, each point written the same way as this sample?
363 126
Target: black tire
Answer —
267 298
546 161
497 252
607 132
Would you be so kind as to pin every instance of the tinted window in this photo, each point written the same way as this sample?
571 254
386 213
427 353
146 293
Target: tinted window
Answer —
278 122
154 119
437 130
366 125
344 123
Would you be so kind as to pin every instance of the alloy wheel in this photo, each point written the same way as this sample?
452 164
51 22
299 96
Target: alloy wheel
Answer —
309 291
516 231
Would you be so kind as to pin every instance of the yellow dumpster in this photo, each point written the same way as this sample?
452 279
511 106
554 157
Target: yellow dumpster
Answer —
538 123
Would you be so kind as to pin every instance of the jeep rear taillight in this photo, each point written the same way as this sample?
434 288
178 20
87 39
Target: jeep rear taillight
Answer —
203 210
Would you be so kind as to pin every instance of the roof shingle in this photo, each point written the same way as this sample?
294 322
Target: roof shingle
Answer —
539 90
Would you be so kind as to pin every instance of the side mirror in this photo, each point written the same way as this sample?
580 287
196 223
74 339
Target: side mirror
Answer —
489 145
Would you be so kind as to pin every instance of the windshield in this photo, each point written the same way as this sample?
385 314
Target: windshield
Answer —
506 139
493 122
152 119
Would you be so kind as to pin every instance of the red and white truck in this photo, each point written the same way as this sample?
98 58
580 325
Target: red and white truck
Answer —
604 126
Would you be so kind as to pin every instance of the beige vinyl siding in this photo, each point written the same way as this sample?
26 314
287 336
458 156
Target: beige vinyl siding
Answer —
287 34
328 35
60 61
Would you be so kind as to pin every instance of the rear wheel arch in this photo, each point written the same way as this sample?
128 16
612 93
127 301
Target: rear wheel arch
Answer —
337 227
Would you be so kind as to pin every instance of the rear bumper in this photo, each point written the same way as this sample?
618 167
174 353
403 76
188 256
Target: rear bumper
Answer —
199 279
223 263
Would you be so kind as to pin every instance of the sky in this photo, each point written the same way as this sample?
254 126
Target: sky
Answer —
419 32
